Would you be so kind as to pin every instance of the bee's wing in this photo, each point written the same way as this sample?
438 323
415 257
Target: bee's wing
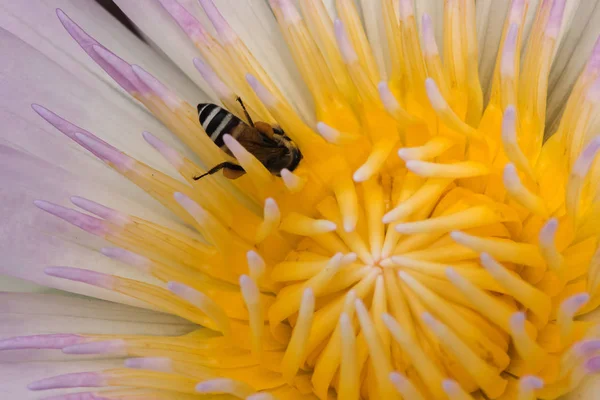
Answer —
257 143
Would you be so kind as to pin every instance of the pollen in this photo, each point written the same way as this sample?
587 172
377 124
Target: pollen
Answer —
430 244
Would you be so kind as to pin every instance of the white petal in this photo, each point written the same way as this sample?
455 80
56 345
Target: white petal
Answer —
490 22
8 283
14 378
50 38
591 386
31 239
31 314
372 17
571 56
254 23
25 314
164 33
30 77
435 9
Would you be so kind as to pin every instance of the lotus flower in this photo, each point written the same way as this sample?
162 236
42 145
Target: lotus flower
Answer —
437 241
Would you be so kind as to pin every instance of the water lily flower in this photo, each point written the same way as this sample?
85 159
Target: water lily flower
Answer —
438 239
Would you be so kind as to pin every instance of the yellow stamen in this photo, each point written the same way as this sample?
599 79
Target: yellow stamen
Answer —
454 391
466 329
349 15
203 303
349 372
528 386
445 113
255 315
521 194
502 250
271 220
293 182
379 359
345 193
405 387
469 218
428 371
299 224
329 359
432 149
297 347
375 208
489 306
485 376
532 298
567 311
463 169
529 350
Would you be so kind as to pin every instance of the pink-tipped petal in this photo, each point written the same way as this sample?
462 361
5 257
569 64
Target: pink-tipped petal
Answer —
122 67
106 153
572 304
87 43
548 232
435 96
387 97
225 32
406 9
515 15
82 379
344 44
289 11
161 364
329 133
186 21
593 64
510 177
262 92
168 97
79 396
103 212
509 124
112 347
220 88
82 275
586 158
531 382
87 223
189 205
65 126
556 18
451 387
517 322
507 65
53 341
169 153
587 347
593 365
430 47
127 257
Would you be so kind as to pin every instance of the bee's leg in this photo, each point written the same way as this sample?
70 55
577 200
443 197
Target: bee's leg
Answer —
227 165
248 117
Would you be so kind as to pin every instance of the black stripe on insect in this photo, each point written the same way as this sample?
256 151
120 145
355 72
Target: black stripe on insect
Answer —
269 144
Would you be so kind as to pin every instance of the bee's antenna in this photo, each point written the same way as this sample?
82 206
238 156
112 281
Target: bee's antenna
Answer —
218 167
239 100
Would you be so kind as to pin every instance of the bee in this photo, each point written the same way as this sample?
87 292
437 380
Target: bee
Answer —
269 144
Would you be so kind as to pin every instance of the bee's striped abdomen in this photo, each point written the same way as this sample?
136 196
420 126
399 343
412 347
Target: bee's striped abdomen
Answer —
217 121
